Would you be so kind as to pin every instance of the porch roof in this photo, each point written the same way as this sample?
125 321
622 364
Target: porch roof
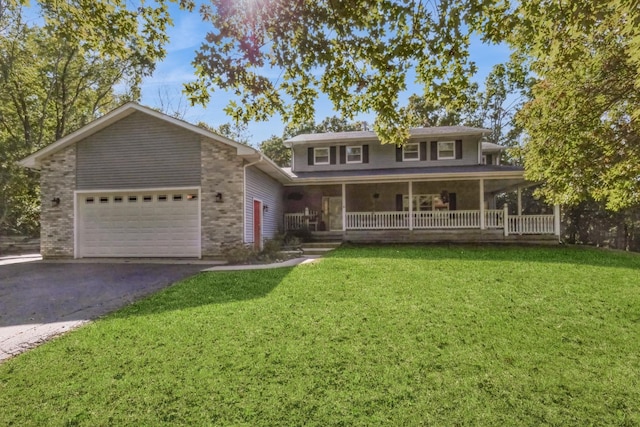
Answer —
399 174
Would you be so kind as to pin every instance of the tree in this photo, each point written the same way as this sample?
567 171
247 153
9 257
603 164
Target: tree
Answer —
274 149
582 131
363 49
48 88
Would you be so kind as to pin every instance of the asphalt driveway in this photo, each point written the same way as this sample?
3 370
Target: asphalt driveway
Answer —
39 300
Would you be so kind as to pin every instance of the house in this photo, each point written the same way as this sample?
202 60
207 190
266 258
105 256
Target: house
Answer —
440 185
139 183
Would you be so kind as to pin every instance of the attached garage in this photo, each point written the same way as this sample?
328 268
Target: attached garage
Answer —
139 183
164 223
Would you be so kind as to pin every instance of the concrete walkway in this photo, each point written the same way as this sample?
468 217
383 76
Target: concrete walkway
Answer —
288 263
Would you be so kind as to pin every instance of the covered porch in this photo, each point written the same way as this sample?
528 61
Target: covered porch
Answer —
417 210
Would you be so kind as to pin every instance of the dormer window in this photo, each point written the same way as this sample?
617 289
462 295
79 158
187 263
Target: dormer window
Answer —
411 152
321 156
446 150
354 154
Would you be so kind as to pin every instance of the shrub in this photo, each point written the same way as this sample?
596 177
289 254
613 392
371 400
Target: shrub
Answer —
239 254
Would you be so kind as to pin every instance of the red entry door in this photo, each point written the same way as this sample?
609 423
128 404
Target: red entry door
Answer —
257 225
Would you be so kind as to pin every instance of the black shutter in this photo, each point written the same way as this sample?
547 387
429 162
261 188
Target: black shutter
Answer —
343 154
434 150
423 150
398 154
365 154
310 156
332 155
399 202
458 148
452 202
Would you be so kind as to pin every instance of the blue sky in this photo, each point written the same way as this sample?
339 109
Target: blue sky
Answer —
164 88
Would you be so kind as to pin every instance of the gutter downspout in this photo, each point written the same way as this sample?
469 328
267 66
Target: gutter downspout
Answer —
244 197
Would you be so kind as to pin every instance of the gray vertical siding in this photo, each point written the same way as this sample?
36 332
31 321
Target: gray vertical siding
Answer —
269 191
383 156
139 151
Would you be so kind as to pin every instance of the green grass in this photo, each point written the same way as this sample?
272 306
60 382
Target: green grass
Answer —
369 336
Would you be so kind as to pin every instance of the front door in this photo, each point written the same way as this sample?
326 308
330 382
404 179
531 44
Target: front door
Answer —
257 225
335 213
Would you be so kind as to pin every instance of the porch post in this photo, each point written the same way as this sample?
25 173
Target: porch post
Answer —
505 219
482 222
556 220
519 201
344 207
410 205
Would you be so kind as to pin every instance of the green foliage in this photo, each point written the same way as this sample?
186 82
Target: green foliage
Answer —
358 53
582 125
239 254
57 78
396 335
247 254
274 149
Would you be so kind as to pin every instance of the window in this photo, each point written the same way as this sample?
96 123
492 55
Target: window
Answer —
147 198
192 197
117 199
177 197
162 198
133 199
88 200
321 156
411 152
104 200
446 150
354 154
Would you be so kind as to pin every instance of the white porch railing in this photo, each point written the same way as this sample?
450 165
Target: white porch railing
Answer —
531 224
494 218
446 219
377 220
295 221
459 219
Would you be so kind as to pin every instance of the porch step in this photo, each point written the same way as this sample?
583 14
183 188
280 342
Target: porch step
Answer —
327 244
319 248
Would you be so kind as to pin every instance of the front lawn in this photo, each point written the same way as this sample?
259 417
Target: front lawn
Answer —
368 336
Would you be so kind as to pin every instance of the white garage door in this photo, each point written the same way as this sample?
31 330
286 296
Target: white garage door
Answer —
139 224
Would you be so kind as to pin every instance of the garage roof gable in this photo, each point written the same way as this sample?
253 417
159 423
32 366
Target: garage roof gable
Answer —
34 160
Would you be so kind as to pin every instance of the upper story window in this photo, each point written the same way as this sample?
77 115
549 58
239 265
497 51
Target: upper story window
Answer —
354 154
321 156
411 151
446 150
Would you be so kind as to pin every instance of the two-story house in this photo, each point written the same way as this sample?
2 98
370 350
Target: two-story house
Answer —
440 185
139 183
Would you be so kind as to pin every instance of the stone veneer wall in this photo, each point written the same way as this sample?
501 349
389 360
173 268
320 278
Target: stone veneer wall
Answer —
222 172
57 180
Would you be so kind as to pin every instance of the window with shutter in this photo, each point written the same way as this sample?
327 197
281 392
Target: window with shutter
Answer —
446 150
354 154
320 156
411 152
